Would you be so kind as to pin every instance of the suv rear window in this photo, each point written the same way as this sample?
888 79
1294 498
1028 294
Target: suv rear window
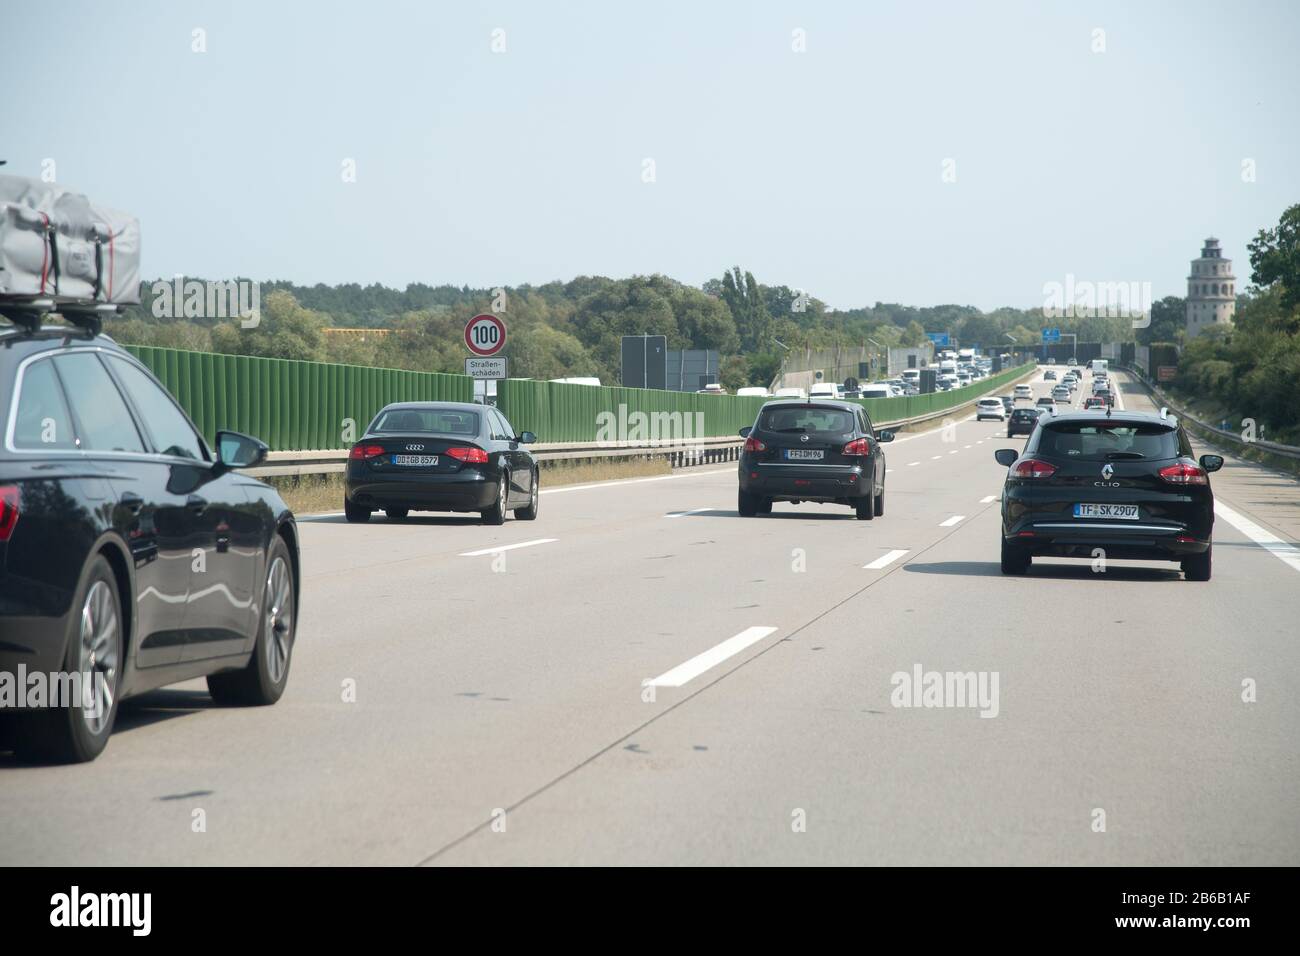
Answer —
803 418
436 421
1106 441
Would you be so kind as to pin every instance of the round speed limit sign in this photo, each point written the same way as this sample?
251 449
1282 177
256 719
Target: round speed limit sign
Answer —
485 335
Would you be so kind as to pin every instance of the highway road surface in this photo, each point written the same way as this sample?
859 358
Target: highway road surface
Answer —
643 677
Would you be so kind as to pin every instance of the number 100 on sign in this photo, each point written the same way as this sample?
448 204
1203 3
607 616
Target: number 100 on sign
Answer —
485 335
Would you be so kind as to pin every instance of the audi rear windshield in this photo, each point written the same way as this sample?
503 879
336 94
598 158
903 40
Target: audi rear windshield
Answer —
807 419
1107 441
433 421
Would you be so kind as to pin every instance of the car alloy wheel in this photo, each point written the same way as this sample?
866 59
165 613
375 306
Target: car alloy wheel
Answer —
98 658
278 620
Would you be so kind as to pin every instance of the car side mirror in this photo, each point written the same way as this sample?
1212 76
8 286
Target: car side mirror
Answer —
237 450
526 438
1006 456
744 432
884 436
1211 462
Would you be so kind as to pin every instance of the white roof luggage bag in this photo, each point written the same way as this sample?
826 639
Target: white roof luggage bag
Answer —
61 251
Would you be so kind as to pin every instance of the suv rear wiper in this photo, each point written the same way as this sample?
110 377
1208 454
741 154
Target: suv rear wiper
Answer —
781 430
1126 455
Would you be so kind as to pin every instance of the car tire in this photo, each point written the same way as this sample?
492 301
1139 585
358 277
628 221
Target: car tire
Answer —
94 641
746 504
1015 559
262 681
1197 567
497 513
879 503
530 513
765 506
355 513
866 507
397 514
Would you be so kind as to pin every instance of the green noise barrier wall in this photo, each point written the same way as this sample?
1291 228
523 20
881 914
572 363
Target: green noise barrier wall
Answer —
290 405
299 406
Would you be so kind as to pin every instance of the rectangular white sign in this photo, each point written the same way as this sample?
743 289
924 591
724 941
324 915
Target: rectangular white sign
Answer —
494 367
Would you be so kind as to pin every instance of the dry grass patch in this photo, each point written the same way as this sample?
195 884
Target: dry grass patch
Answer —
313 494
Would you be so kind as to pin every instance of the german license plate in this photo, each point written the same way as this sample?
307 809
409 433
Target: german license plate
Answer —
427 461
1128 512
804 454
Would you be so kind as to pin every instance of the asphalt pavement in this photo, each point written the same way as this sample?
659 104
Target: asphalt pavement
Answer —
641 676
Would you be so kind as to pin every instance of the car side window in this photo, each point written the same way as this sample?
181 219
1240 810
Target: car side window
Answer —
43 420
507 432
103 419
167 424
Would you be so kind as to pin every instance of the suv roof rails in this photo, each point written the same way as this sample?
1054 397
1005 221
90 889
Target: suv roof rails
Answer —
87 315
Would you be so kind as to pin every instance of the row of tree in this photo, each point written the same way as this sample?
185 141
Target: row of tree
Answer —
574 328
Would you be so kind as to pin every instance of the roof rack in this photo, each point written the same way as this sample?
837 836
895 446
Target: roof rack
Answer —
1164 412
86 314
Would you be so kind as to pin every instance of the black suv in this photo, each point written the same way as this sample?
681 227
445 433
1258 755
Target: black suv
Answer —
813 451
130 553
1022 421
1126 483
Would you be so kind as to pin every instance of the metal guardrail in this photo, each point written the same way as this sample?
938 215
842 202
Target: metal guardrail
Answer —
683 453
1231 437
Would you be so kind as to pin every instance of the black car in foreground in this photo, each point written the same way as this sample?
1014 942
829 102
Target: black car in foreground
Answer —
131 555
1022 421
441 456
823 451
1125 483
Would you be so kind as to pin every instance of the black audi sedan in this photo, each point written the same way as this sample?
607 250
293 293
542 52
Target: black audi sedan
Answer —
441 456
132 555
1125 482
826 452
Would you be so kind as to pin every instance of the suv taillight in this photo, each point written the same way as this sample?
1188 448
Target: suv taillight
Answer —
8 510
753 444
362 452
1184 473
859 446
471 456
1032 468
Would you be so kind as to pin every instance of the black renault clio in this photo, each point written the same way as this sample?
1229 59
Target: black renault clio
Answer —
1124 482
813 451
131 555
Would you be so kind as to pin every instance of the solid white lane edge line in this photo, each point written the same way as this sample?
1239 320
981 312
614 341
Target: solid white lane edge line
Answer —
952 521
683 514
506 547
1262 537
714 656
888 558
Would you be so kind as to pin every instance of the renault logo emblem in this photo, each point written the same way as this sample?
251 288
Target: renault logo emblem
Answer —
1107 470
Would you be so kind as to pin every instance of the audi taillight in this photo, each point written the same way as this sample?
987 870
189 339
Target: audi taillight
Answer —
753 444
362 452
8 510
471 456
1032 468
859 446
1184 473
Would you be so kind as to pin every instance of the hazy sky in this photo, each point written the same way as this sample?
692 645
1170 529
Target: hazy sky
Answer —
819 170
